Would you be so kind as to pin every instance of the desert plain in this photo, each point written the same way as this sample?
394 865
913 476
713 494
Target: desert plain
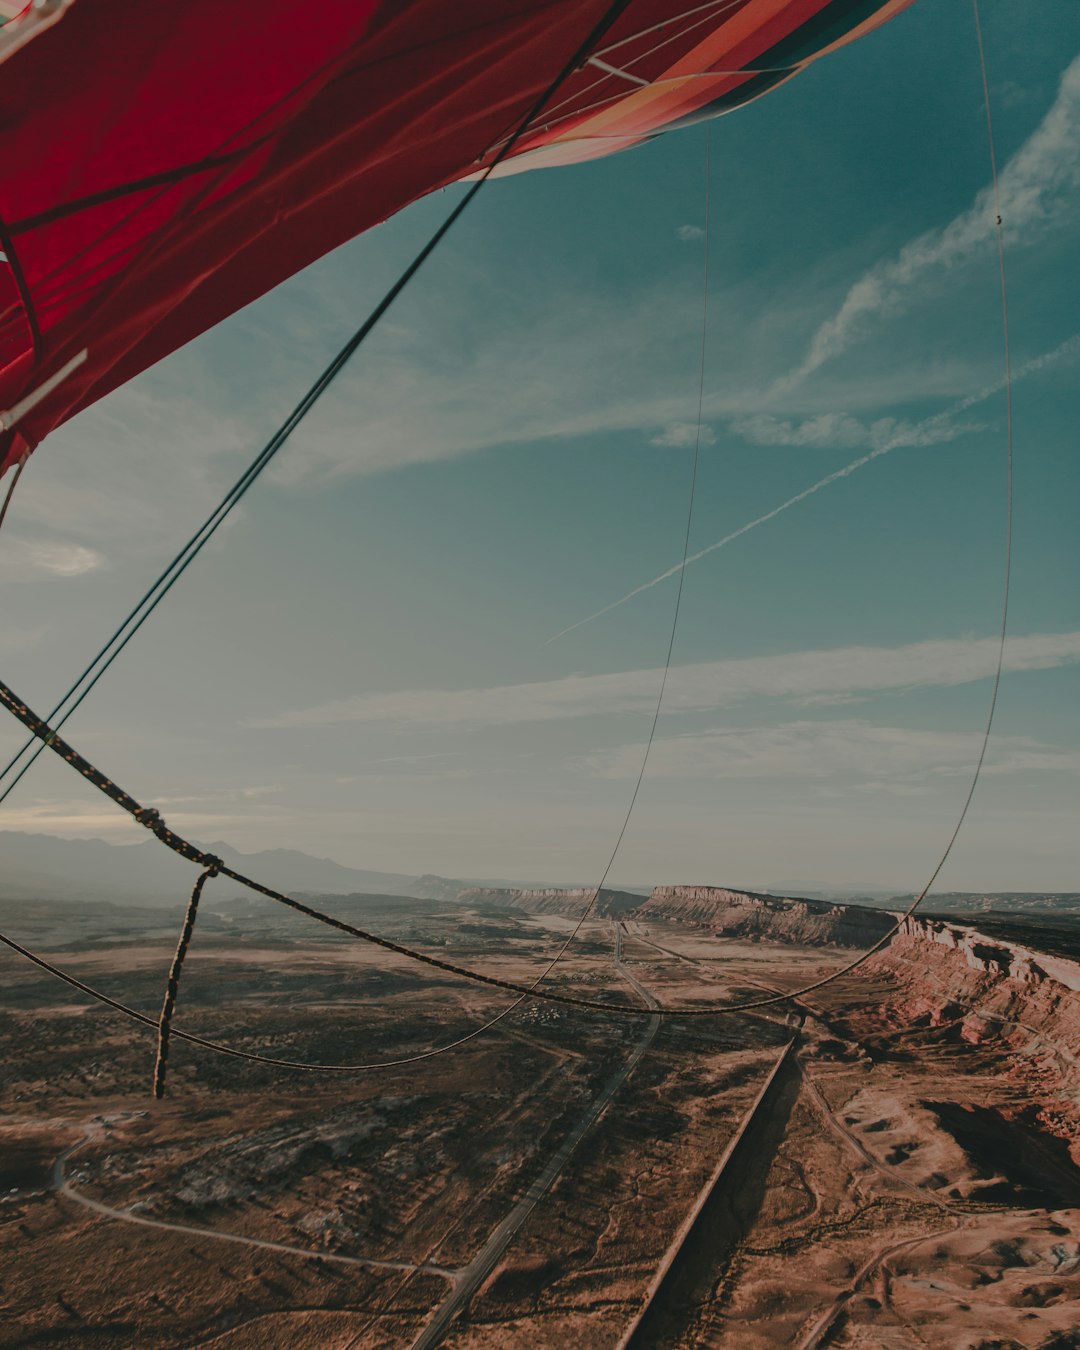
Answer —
888 1161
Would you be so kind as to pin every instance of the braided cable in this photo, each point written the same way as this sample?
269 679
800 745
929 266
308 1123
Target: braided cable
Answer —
187 554
42 731
172 985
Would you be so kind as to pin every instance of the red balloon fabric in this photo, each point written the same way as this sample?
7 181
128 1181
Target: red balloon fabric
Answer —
164 164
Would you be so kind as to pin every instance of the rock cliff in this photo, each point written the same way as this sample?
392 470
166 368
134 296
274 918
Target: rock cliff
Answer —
776 918
990 956
951 974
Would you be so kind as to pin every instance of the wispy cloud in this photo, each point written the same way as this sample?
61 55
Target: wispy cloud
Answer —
27 559
1032 191
808 676
256 792
565 363
471 372
137 471
684 436
838 431
862 752
687 232
559 364
82 820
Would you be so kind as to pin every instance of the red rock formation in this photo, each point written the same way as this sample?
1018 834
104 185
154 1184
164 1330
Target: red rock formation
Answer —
946 971
779 919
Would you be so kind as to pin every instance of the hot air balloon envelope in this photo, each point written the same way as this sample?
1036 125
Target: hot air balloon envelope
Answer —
164 164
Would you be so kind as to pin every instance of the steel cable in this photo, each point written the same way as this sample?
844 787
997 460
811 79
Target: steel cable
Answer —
187 554
48 735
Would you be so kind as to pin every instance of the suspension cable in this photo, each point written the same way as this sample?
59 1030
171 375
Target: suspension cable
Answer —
187 554
214 865
149 817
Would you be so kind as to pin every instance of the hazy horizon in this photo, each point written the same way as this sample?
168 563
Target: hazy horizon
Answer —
776 886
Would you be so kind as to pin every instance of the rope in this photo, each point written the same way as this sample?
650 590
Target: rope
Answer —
11 491
229 1050
172 987
152 819
187 554
695 460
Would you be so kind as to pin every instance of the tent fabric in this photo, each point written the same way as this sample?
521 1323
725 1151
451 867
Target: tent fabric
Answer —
165 164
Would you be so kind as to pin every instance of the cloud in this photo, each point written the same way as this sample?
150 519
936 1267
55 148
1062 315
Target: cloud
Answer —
688 232
223 793
570 363
835 431
1011 94
76 819
684 436
558 363
808 676
1032 185
838 431
26 559
138 470
889 757
69 818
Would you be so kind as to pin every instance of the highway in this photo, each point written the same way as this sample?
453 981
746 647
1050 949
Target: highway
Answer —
470 1277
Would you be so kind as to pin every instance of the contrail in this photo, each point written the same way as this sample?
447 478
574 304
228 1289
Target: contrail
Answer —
910 437
727 539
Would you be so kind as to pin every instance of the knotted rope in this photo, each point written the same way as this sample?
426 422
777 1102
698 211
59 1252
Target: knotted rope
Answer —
172 986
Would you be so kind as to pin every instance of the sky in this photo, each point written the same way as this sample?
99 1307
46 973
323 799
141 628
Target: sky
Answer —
432 637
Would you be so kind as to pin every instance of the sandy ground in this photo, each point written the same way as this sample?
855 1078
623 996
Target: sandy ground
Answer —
909 1195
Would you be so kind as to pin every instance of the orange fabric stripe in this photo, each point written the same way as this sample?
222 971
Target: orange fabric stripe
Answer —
737 41
685 87
746 34
654 107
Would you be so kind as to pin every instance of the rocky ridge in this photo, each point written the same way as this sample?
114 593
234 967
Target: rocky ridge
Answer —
991 956
754 915
986 990
746 914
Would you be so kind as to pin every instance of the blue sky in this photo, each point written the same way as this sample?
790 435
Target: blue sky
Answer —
362 664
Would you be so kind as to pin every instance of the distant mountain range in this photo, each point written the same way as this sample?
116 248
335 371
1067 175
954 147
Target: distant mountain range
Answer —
43 867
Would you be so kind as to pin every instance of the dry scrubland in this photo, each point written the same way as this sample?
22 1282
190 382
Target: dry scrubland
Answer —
912 1180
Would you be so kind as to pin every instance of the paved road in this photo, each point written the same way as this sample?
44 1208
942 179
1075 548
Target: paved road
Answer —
470 1277
63 1186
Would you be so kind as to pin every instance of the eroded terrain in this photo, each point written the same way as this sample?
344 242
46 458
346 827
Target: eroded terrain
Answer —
910 1179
